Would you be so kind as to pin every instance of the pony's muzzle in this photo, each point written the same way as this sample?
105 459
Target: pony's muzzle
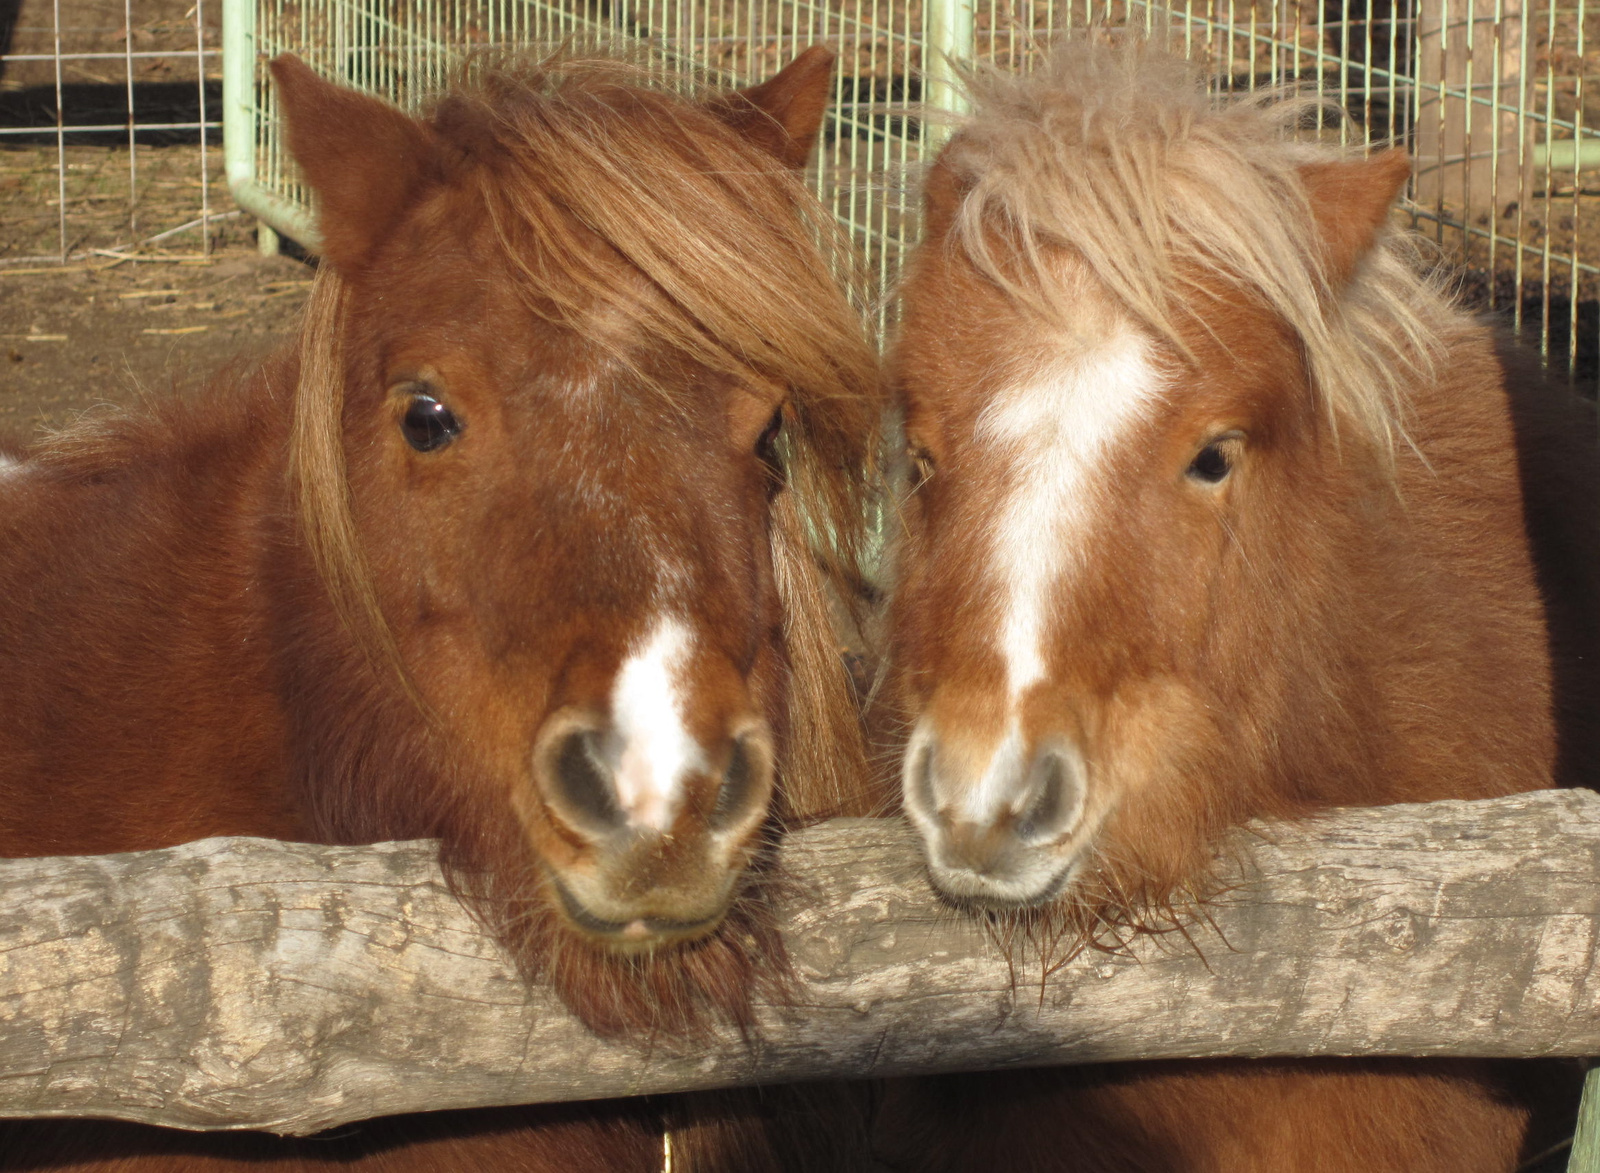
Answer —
640 863
997 833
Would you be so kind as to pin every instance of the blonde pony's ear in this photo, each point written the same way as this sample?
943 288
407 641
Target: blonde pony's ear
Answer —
365 160
783 114
1350 201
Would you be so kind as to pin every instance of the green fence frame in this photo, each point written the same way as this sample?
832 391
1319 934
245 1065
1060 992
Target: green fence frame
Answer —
1467 72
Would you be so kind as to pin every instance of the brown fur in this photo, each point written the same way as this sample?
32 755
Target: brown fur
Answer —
1353 617
1222 1117
259 612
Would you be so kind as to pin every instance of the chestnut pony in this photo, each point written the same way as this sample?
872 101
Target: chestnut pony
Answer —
1216 514
513 548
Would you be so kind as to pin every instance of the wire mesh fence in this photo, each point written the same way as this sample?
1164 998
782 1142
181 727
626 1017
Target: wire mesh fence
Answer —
110 109
110 119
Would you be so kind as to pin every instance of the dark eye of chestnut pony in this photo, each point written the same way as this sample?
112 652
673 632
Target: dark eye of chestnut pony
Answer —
1214 462
429 425
767 442
767 451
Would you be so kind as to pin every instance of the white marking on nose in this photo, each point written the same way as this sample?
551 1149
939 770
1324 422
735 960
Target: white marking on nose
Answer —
647 705
997 786
9 464
1054 434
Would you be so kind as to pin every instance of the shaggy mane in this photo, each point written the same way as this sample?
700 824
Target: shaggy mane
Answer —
1118 151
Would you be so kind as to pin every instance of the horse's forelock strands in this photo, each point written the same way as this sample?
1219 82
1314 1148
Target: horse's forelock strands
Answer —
1164 190
321 489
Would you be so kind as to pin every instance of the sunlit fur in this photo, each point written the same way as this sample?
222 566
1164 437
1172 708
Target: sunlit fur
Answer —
259 611
1382 600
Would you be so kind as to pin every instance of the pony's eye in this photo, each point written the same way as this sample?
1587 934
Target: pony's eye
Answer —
767 442
767 454
1214 462
921 466
429 425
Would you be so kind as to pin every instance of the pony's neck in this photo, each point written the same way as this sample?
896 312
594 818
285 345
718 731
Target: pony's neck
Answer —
1446 633
141 694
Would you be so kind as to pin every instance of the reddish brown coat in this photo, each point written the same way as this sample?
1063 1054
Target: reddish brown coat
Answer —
1360 610
261 611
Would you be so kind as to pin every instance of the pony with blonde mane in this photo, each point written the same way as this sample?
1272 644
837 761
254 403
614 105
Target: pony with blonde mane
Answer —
523 546
1218 511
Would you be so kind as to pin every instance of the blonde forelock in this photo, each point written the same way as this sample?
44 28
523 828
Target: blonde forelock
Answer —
1117 151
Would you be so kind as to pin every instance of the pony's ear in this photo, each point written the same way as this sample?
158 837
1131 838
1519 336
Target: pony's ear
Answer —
783 114
1350 201
364 159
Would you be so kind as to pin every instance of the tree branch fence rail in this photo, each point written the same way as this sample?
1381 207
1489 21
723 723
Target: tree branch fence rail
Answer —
241 983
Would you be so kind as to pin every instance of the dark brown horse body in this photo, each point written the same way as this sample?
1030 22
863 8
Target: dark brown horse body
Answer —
1221 513
512 551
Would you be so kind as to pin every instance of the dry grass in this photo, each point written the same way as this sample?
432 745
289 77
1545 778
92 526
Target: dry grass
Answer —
108 204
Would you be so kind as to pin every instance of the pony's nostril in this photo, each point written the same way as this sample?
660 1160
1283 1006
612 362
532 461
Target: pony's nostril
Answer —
744 783
584 786
1053 791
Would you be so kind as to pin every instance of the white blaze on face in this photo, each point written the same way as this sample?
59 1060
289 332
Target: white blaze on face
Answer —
1053 434
647 706
9 464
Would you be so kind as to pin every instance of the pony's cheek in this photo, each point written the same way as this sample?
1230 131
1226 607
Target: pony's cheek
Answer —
1156 736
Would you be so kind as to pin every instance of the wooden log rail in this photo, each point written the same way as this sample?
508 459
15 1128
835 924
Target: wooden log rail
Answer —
238 983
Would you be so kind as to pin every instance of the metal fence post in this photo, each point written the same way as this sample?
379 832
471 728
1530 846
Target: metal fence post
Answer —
948 38
1586 1141
276 214
1472 149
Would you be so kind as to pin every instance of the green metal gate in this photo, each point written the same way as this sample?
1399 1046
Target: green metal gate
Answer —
1490 96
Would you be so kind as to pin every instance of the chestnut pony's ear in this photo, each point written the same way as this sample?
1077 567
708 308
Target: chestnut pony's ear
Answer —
365 159
1350 201
783 114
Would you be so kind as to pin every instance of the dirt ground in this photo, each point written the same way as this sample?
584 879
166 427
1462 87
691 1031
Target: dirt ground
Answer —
76 335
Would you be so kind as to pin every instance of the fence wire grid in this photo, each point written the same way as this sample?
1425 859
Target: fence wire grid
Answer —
140 123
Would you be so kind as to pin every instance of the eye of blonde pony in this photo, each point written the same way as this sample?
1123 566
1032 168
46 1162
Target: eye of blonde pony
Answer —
769 456
767 442
1214 462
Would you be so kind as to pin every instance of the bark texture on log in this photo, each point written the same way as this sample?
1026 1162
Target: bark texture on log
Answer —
238 983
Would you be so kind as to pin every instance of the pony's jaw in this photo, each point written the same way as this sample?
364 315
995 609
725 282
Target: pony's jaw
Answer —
1005 824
